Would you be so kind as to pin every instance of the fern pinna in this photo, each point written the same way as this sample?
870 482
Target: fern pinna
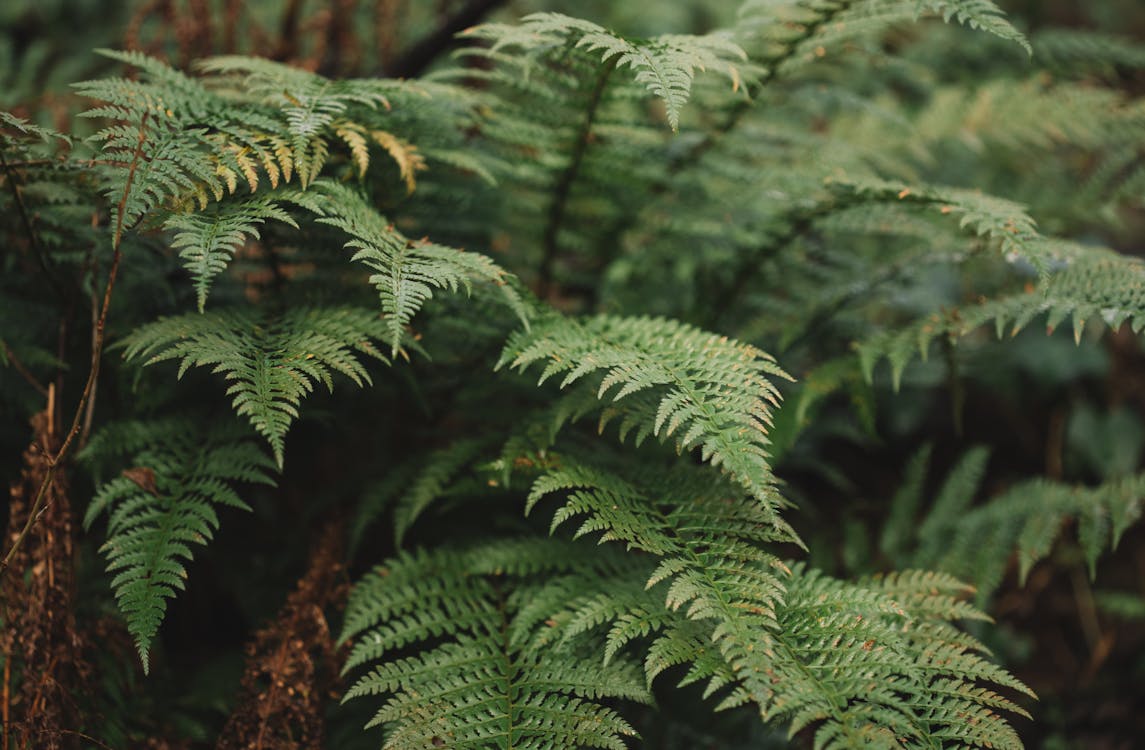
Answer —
565 241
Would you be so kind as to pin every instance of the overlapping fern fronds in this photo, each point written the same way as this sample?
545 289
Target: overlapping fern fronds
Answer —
878 663
708 541
163 505
666 379
474 686
176 139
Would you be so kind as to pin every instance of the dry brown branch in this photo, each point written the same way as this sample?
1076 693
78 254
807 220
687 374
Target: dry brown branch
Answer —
292 665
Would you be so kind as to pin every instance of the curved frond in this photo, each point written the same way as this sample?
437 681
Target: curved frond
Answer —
705 390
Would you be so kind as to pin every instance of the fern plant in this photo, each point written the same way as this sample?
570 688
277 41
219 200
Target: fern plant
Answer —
570 237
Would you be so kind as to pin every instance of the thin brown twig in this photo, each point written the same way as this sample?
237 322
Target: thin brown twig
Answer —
86 737
96 355
23 370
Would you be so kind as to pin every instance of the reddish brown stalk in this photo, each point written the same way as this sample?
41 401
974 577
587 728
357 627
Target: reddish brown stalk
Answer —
23 371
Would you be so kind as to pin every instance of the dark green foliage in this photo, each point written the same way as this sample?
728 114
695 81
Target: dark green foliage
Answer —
978 543
573 236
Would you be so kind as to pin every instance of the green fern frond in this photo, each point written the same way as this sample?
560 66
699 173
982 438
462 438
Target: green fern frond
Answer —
1069 49
162 506
27 130
314 108
475 688
876 664
709 548
1028 519
977 14
1096 285
407 272
271 364
207 240
987 216
707 391
979 543
1028 116
178 138
664 65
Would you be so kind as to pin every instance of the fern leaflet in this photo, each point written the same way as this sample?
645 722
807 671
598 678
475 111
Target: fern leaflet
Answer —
406 272
476 688
709 392
271 364
164 504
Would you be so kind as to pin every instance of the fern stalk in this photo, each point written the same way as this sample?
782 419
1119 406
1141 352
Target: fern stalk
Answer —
550 239
86 396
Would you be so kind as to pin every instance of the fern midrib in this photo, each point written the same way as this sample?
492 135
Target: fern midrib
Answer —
509 669
550 239
743 106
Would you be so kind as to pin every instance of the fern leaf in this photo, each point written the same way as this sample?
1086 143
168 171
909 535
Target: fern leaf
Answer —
207 241
977 14
707 391
1093 285
474 686
986 215
163 506
678 516
978 543
852 652
271 365
407 272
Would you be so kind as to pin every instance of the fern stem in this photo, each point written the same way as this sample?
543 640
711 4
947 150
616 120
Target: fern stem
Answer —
121 209
26 219
77 420
744 105
559 206
800 222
